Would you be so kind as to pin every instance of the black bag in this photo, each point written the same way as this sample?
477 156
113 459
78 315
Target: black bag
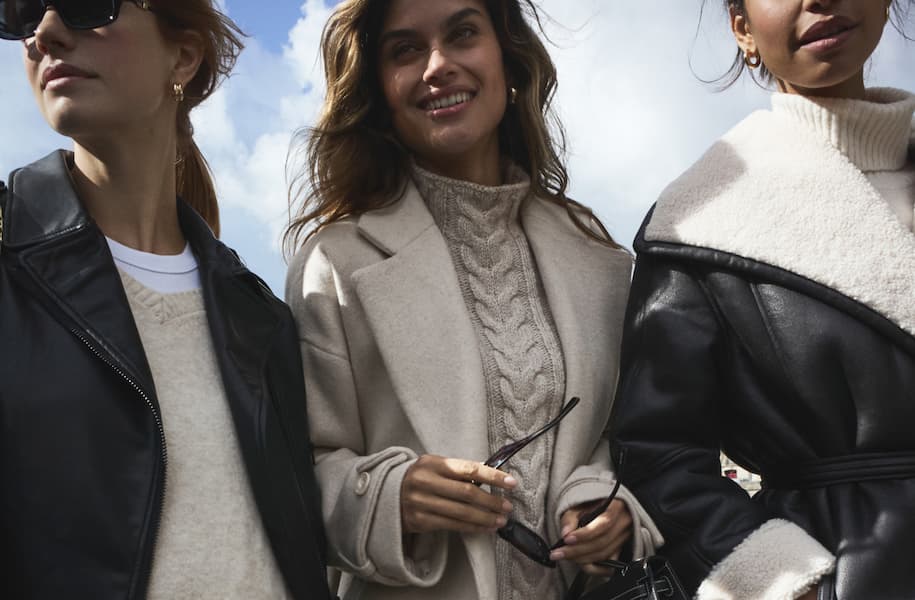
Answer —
650 578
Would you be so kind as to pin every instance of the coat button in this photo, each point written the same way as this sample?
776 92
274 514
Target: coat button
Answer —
362 484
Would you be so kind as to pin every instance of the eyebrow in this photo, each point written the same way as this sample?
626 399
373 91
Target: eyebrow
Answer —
449 22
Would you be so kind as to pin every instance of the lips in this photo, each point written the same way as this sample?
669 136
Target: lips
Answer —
60 71
825 29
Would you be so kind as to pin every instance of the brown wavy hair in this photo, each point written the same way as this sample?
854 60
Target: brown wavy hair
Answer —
221 39
351 161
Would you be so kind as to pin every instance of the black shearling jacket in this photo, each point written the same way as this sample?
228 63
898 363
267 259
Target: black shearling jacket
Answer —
772 315
83 456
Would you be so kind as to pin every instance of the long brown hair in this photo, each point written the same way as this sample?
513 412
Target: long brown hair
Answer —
353 161
221 39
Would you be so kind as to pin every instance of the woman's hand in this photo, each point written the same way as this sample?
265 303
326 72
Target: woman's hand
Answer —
601 539
811 595
441 494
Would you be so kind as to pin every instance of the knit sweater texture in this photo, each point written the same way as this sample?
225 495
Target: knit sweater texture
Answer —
873 133
518 343
211 541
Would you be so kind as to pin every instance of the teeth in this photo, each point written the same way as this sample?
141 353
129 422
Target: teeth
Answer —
449 101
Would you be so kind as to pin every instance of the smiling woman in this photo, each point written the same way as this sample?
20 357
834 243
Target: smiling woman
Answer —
449 298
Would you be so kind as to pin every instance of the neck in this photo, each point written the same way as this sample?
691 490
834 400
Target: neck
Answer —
129 189
480 166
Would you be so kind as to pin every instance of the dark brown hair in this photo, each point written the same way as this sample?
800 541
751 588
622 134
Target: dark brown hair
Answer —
221 39
353 161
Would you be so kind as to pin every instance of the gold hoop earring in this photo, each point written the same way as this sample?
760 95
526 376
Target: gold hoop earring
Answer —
178 92
752 59
512 95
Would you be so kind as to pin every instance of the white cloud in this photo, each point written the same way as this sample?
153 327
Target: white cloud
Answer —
245 129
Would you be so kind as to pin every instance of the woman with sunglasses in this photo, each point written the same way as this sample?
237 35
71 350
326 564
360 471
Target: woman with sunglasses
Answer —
771 316
449 297
153 439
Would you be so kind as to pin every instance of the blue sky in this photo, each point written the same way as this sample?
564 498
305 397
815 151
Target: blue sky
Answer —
635 113
268 22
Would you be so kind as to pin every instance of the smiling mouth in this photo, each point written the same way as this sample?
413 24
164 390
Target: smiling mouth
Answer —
448 101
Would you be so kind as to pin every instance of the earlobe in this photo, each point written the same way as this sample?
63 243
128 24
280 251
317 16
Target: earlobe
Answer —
188 58
741 29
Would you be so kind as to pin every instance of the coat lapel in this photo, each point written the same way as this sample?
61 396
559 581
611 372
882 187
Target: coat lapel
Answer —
586 286
244 320
414 306
774 193
68 259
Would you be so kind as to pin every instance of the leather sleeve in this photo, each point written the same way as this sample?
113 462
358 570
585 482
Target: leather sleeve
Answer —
668 417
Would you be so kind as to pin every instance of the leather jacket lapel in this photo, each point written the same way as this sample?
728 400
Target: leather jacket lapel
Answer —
414 306
243 319
68 259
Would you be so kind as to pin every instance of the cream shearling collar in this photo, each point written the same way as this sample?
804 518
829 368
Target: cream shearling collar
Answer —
784 195
873 133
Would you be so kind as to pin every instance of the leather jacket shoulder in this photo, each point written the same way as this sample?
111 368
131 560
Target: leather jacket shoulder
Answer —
82 454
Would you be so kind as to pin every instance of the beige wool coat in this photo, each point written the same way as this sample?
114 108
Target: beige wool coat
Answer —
393 371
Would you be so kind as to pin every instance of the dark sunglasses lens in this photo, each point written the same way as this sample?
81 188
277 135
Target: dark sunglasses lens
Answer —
527 541
19 18
86 14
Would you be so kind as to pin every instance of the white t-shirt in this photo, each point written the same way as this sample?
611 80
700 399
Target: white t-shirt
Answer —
166 274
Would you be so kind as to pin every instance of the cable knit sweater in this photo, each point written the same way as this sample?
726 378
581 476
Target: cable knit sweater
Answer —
211 541
873 133
518 343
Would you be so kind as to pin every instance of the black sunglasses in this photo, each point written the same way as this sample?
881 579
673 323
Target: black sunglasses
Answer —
20 18
537 549
516 533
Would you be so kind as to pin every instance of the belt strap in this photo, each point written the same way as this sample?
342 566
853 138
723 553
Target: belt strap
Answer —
866 466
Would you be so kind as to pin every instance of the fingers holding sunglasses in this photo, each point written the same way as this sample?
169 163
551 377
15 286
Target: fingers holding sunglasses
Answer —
438 493
600 539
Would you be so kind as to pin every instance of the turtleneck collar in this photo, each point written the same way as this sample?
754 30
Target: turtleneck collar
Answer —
873 133
494 206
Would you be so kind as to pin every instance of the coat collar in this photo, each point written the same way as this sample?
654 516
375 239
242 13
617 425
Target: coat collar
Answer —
415 307
775 193
66 254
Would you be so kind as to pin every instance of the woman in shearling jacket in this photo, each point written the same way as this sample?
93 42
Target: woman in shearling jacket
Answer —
152 437
450 301
771 316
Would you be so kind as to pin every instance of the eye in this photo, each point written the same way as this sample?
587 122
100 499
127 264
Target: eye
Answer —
463 32
403 49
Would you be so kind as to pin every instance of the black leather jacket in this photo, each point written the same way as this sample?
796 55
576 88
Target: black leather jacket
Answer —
83 456
794 381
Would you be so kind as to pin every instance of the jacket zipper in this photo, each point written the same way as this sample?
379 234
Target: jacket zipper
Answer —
155 413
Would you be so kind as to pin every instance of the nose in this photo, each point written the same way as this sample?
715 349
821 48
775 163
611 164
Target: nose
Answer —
439 67
52 34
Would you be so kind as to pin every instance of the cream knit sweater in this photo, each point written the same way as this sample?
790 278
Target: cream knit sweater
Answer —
874 134
519 347
211 542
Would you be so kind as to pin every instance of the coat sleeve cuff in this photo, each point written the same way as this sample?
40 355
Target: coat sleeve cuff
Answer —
418 560
646 538
364 523
778 561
